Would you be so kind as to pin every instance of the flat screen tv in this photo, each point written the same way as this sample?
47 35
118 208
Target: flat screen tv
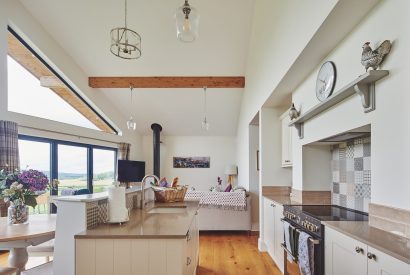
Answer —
131 171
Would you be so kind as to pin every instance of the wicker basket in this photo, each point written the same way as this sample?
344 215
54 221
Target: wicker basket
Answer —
176 194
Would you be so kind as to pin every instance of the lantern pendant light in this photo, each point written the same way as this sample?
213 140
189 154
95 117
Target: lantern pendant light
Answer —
187 22
131 124
125 43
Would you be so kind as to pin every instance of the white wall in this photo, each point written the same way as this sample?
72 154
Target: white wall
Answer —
389 122
221 150
279 34
254 174
270 143
317 168
14 14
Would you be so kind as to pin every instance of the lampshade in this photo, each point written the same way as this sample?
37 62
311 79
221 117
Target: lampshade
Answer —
231 169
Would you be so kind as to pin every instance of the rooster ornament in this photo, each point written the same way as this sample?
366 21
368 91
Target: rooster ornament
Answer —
373 58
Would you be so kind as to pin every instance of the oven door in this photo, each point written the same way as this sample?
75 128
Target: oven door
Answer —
291 264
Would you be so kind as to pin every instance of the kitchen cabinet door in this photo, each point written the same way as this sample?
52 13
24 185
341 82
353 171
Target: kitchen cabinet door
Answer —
279 238
286 141
344 255
380 263
269 226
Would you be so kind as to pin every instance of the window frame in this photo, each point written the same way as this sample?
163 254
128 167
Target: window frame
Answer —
54 156
32 51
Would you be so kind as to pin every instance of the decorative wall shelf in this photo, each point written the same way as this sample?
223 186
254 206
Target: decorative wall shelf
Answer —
364 86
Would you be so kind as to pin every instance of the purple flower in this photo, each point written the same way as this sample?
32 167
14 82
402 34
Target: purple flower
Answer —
33 180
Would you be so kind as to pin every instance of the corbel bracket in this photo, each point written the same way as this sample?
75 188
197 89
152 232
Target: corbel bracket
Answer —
367 95
299 128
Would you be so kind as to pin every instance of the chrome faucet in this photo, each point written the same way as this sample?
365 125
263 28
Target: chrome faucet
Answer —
143 187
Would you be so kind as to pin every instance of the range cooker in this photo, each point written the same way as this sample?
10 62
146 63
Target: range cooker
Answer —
308 218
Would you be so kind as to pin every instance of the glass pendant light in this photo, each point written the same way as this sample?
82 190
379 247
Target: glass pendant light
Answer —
131 124
205 122
187 23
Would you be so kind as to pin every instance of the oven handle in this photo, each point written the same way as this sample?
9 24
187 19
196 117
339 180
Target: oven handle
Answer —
312 239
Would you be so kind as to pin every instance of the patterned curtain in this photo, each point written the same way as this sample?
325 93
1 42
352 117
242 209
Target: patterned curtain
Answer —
9 153
9 150
124 151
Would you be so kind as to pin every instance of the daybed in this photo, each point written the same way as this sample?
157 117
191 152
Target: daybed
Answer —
222 210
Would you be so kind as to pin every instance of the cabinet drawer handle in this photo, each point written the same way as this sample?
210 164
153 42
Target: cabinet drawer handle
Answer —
287 160
273 205
371 256
188 261
358 249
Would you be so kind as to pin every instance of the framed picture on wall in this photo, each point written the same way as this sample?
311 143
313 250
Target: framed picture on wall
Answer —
192 162
257 160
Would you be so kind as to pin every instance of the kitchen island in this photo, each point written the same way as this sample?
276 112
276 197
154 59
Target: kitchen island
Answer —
160 239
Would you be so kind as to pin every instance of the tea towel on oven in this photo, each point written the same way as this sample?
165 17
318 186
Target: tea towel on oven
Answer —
287 229
306 254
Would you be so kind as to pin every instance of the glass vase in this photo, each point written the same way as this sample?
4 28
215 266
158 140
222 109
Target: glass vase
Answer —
17 213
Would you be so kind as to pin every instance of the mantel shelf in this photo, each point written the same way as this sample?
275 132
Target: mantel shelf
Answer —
364 86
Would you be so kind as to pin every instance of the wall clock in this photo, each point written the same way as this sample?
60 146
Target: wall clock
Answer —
326 80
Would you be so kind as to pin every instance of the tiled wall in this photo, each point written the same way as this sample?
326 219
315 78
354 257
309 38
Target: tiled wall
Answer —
351 174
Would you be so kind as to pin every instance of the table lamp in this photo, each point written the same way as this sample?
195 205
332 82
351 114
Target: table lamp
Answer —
231 170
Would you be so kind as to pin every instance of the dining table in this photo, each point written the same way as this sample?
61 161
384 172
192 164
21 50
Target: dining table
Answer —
16 238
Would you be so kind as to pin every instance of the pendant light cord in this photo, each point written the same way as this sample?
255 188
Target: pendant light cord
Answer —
126 14
205 103
131 89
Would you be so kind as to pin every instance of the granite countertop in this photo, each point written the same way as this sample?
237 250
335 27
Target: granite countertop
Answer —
288 200
283 200
389 243
145 225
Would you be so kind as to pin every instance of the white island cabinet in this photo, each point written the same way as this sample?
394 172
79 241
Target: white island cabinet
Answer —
149 244
345 255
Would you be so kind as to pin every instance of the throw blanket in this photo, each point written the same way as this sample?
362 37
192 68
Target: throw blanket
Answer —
219 200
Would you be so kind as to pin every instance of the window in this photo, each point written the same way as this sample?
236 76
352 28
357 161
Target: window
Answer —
103 169
75 165
46 94
35 155
72 167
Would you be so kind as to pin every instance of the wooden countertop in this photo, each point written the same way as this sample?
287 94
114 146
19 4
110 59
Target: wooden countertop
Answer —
38 226
144 225
389 243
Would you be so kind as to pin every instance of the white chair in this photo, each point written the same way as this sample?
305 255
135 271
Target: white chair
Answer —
43 202
45 249
44 269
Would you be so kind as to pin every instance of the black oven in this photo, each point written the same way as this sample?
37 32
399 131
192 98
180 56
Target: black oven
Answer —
308 219
291 267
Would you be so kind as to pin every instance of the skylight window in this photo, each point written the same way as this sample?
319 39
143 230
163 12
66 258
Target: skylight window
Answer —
35 89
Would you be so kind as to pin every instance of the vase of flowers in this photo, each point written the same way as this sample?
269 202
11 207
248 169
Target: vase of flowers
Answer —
21 188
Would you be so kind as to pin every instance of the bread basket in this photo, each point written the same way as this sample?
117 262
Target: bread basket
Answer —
169 194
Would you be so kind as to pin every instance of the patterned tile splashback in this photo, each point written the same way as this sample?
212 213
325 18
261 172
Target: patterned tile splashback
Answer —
352 174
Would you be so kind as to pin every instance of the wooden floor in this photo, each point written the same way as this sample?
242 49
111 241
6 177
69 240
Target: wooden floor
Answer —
233 253
221 253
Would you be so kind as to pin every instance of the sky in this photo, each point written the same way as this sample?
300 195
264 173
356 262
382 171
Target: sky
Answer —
26 96
36 155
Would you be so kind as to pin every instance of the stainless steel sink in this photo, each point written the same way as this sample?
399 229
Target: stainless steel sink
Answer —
167 210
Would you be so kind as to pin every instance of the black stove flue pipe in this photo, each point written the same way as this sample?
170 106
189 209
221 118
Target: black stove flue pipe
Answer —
156 129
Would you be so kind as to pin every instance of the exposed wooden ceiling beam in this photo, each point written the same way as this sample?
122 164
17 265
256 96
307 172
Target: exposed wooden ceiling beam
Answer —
168 82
